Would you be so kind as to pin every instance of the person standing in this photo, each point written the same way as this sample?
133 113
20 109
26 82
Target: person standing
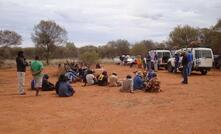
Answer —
148 61
21 69
36 68
190 62
185 68
177 59
144 61
155 62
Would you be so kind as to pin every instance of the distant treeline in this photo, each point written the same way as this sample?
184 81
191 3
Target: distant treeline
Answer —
110 50
50 41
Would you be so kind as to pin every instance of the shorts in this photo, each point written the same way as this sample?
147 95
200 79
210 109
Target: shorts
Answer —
38 82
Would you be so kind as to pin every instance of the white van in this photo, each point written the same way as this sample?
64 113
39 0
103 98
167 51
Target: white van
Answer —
163 56
202 59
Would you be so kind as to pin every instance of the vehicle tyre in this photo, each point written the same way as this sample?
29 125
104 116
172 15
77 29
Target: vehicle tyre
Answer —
169 67
165 67
203 71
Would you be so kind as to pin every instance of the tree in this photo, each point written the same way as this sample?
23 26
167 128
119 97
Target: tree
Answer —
71 50
206 37
141 48
182 36
89 48
120 46
216 38
89 57
48 35
9 38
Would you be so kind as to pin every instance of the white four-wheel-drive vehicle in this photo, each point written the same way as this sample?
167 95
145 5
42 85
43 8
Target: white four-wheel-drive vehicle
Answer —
125 59
162 55
202 59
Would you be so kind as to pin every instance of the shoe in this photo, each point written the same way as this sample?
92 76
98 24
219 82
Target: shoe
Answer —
23 93
184 82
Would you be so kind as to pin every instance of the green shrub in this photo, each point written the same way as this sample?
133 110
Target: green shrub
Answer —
89 57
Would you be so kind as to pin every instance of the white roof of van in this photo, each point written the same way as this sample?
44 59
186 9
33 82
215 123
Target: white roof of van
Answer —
160 50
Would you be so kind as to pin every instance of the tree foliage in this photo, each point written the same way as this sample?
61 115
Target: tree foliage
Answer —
182 36
48 35
9 38
89 57
141 48
115 48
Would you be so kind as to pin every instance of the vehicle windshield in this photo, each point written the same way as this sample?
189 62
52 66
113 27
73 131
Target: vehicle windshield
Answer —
166 54
159 54
203 54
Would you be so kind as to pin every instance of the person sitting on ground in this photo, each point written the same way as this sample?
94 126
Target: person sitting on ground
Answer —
90 78
138 81
127 85
63 88
73 76
150 75
113 80
102 79
98 66
46 85
60 70
153 85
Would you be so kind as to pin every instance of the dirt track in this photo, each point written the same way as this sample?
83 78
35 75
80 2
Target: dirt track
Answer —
180 109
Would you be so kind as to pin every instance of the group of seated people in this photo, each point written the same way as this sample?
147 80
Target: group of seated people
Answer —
102 79
142 81
146 81
62 86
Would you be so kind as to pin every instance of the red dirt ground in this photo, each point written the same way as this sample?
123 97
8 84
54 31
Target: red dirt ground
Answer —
180 109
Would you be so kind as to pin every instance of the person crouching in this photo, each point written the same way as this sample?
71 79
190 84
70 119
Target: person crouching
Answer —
153 85
113 80
138 82
63 88
127 85
102 79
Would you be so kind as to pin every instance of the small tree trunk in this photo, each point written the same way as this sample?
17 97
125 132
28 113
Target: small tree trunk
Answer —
47 55
47 60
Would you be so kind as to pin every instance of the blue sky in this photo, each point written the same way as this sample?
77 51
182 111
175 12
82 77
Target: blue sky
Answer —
95 22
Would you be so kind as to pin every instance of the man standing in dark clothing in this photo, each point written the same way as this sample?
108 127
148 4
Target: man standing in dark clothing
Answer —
185 68
21 69
177 59
148 61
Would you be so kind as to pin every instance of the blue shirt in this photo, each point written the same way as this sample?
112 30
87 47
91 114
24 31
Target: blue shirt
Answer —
150 74
177 58
189 57
63 89
138 82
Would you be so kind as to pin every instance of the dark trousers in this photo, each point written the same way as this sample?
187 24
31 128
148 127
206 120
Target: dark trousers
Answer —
176 67
185 74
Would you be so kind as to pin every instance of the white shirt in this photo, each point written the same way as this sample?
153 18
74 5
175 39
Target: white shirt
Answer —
90 79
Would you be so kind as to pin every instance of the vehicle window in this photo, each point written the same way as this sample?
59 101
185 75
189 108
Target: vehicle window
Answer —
166 54
203 54
159 54
206 54
197 54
